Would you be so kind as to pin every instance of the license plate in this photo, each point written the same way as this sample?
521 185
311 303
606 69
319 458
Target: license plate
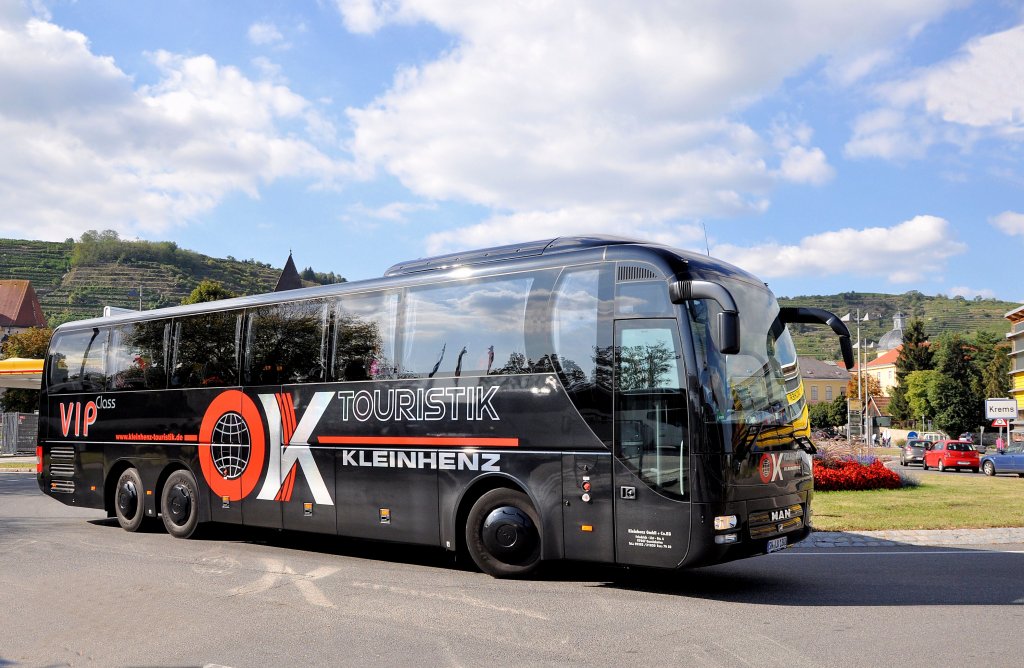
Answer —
963 463
776 544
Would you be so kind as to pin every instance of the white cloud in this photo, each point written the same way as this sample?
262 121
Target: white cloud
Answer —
512 228
970 293
629 107
84 148
394 212
975 94
1010 222
913 250
265 34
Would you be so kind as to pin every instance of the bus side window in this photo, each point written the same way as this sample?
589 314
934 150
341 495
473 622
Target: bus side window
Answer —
364 337
285 343
77 362
136 358
206 350
467 328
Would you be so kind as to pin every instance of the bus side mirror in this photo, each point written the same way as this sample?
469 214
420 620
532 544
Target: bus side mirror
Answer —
808 315
729 331
728 319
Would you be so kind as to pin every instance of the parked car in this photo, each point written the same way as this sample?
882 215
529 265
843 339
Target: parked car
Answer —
1010 460
949 454
913 452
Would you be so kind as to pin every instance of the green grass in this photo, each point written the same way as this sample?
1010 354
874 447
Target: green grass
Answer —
940 502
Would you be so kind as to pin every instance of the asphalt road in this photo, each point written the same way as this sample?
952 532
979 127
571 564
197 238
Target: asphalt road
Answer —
77 590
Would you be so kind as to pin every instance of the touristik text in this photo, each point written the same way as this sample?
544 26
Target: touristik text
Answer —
405 405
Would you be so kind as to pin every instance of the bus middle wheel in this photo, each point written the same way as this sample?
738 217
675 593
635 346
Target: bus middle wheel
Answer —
503 535
179 504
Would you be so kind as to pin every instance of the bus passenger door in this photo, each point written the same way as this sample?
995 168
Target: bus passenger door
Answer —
651 471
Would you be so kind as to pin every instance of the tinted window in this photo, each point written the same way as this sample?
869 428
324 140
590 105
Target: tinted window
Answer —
136 358
206 350
640 298
650 412
469 328
285 344
76 361
574 324
364 337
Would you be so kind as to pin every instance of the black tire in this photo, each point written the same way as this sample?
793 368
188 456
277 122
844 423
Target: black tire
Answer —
942 466
129 500
924 465
903 462
989 468
179 504
975 470
503 534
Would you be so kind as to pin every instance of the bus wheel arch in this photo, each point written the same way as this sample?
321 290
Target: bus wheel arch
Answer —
500 528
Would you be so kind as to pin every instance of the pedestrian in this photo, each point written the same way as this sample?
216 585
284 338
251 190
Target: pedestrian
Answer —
1000 445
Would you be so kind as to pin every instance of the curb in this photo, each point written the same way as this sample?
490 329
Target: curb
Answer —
922 537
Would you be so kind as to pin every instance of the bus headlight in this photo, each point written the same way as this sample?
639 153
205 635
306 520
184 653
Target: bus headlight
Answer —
725 522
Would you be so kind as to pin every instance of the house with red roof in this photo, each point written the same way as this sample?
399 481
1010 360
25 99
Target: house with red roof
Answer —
19 307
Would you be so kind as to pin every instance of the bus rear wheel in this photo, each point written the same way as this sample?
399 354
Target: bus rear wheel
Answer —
128 501
503 534
179 504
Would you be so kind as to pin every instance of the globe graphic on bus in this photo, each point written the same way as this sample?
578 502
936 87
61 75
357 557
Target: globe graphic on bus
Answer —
230 445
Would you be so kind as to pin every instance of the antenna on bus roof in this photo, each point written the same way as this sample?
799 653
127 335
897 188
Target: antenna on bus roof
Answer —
706 245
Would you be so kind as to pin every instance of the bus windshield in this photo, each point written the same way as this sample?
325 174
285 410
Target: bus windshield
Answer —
759 387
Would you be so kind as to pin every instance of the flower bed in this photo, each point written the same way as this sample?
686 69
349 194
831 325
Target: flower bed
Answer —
835 475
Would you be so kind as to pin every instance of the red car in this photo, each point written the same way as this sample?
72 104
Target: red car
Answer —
951 455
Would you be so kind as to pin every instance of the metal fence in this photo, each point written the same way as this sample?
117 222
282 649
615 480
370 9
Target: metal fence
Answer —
18 434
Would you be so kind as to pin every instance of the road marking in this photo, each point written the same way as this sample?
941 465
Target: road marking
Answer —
831 552
463 598
303 582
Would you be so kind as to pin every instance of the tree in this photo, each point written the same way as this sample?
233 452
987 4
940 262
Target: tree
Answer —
958 408
874 389
32 344
828 414
919 388
208 291
995 378
915 355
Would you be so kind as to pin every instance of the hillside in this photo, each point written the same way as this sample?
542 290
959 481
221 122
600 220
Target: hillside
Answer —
940 315
76 280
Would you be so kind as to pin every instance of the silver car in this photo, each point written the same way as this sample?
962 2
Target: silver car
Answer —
913 452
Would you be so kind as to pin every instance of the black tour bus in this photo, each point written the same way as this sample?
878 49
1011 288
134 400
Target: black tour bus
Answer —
585 398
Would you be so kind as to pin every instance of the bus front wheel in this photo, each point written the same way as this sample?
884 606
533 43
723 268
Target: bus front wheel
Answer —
128 504
503 534
179 504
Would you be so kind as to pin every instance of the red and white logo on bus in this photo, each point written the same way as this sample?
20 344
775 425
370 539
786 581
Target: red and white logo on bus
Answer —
770 467
234 446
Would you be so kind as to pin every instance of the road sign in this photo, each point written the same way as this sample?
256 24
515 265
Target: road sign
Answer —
1000 408
999 422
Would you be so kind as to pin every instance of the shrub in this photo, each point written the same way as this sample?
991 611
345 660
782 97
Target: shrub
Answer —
831 475
899 442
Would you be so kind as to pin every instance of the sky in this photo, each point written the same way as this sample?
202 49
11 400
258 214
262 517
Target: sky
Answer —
862 145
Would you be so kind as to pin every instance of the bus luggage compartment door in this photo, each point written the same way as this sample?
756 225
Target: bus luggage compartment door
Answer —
587 507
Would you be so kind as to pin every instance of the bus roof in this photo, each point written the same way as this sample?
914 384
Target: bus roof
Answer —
419 270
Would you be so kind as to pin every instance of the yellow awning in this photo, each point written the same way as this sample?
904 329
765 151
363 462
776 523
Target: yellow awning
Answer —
21 373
